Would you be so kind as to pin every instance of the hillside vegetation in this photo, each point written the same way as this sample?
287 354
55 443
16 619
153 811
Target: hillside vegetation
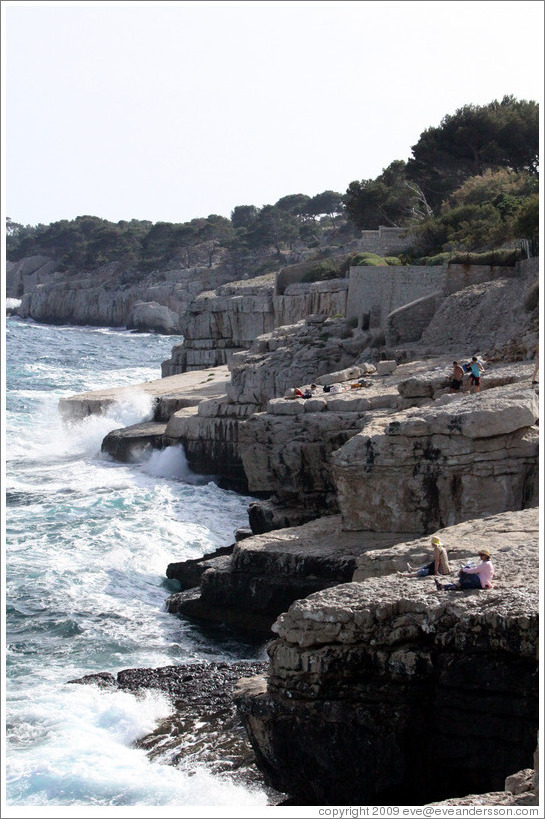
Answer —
471 185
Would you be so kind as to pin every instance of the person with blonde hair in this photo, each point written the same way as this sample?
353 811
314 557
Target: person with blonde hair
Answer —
473 577
439 564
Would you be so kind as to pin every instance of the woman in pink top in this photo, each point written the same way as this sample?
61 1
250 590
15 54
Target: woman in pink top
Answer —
473 577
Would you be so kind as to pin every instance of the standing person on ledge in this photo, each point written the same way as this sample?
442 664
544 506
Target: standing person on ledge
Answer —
475 377
457 377
473 577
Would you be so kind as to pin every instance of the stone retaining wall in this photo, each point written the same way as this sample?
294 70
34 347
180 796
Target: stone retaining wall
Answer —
386 241
375 292
407 323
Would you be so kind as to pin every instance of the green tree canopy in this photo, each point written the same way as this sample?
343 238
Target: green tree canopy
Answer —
243 216
273 227
327 203
476 138
296 204
488 211
387 200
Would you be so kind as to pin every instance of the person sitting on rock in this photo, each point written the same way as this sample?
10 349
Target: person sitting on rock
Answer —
439 564
473 577
310 391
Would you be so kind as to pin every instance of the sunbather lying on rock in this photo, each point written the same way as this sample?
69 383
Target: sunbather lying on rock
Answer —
473 577
439 564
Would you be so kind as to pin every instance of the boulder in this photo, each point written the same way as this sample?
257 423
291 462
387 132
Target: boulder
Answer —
149 315
386 367
130 443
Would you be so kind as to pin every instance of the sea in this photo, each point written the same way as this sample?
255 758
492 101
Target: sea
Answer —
87 544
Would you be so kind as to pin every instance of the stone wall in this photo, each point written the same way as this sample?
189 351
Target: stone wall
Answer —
459 276
386 241
375 292
407 323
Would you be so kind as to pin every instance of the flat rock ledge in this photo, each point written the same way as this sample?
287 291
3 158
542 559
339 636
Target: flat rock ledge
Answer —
252 583
374 684
168 394
266 573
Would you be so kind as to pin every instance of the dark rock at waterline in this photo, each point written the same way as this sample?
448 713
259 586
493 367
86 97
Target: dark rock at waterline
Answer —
130 442
198 684
188 572
204 727
103 679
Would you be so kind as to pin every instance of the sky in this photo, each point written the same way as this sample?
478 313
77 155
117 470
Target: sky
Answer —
167 111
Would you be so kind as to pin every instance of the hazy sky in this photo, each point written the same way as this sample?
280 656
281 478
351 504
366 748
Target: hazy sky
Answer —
169 111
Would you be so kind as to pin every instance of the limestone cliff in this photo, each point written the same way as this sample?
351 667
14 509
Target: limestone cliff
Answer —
375 684
110 296
396 469
219 324
460 457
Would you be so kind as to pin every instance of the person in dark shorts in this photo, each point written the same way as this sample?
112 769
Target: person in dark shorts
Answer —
439 564
475 377
457 377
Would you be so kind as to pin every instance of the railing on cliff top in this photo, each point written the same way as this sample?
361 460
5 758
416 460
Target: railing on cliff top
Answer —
529 248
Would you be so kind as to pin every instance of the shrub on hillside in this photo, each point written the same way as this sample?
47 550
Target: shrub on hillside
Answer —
367 260
322 271
506 257
439 258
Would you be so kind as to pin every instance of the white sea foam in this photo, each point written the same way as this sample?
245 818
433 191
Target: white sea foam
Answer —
131 407
88 543
89 735
171 462
51 439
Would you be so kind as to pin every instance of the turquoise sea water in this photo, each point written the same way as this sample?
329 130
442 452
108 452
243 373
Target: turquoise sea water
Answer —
88 541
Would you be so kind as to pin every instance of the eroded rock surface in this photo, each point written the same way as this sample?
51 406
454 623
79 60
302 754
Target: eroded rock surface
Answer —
426 468
204 727
374 684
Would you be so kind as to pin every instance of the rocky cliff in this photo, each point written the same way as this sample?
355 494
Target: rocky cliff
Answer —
422 469
375 678
109 296
400 474
375 686
221 323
